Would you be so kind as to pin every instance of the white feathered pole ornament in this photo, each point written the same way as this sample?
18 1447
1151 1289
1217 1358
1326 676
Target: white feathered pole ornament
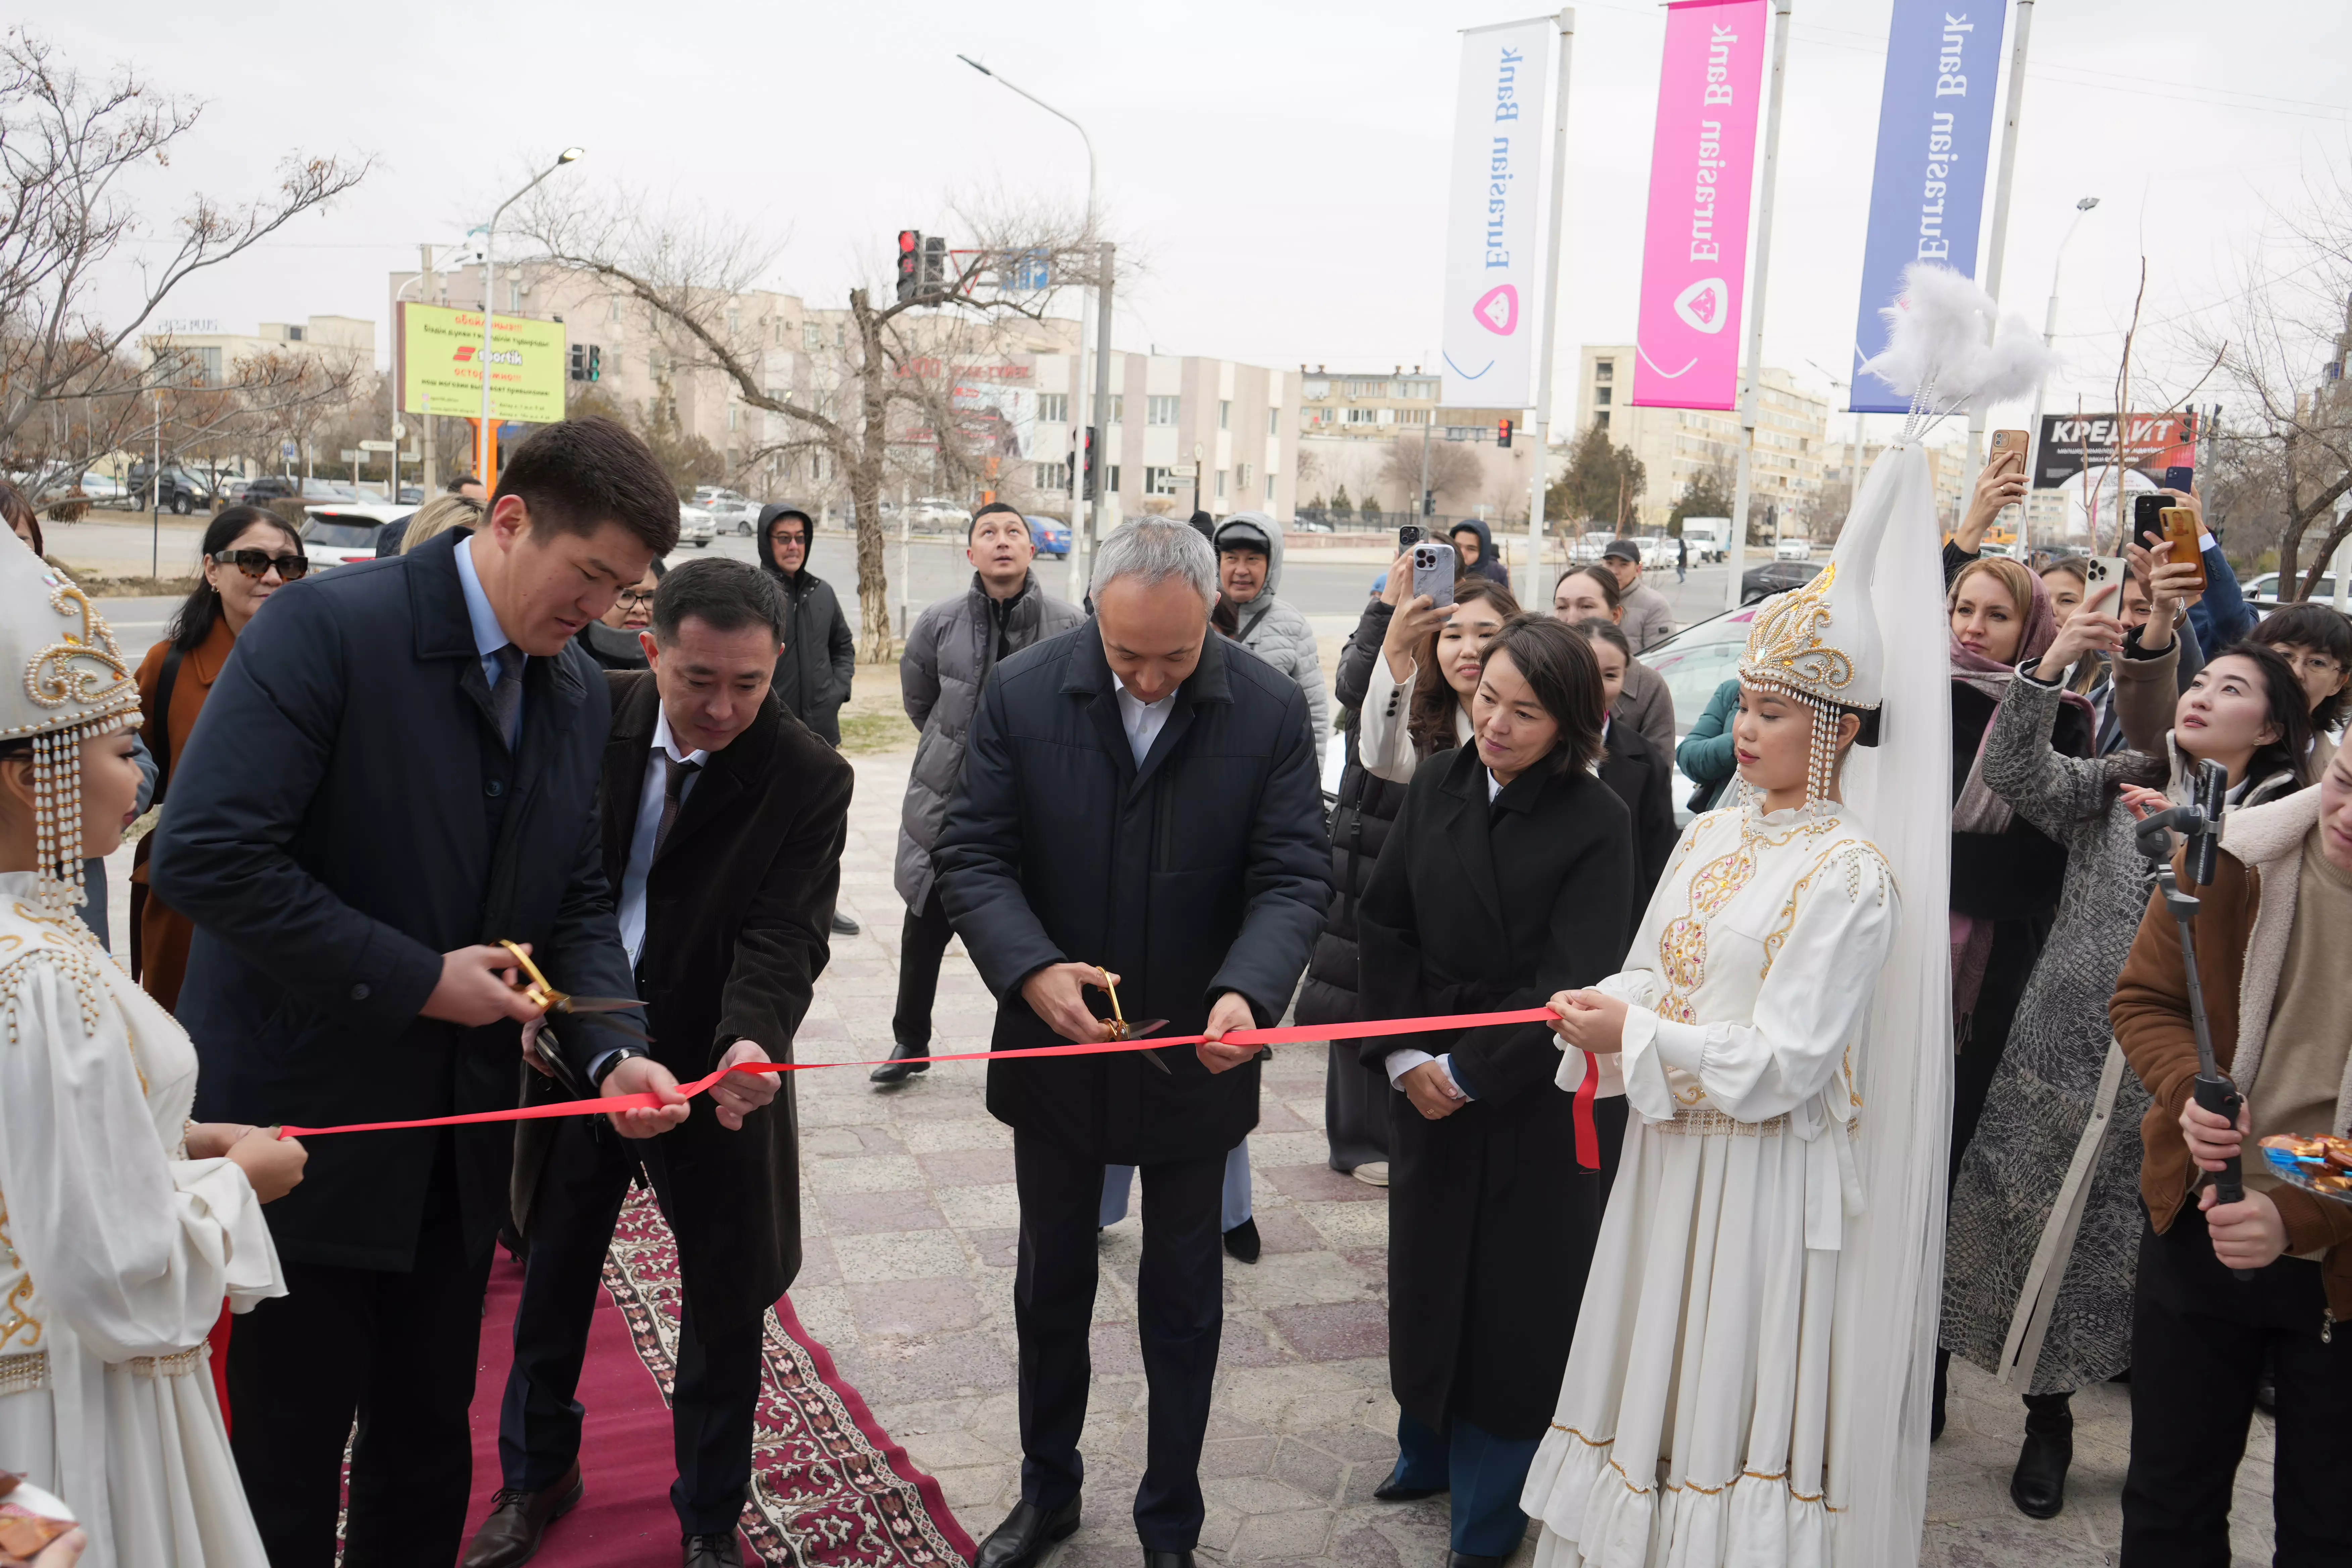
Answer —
1946 350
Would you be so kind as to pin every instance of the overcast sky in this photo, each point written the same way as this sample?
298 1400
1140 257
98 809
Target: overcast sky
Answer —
1281 164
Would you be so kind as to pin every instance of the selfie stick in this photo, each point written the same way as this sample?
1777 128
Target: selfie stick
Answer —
2199 822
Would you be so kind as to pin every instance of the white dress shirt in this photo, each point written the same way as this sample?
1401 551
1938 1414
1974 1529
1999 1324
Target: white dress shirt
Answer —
488 636
641 841
1142 721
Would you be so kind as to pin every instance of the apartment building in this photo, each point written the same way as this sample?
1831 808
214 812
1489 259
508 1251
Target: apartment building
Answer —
202 354
1945 466
1786 468
1231 422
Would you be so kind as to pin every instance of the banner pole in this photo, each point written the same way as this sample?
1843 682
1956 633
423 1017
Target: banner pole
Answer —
1535 594
1739 490
2000 217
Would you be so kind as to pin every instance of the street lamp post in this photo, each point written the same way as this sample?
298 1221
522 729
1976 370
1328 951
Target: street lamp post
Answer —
2049 334
1081 535
490 303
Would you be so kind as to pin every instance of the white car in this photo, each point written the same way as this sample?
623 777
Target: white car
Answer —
2263 590
696 526
1657 549
937 511
337 533
1793 550
731 511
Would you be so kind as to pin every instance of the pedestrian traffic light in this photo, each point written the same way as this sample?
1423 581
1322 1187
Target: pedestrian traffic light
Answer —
1429 503
910 264
935 266
595 362
579 362
1088 459
1503 434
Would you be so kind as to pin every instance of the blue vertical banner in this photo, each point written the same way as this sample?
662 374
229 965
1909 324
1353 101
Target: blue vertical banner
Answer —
1935 134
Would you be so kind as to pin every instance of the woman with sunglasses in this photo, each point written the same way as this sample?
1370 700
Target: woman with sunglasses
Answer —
249 555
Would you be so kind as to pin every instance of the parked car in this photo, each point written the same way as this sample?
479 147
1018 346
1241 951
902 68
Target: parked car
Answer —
327 490
696 526
2263 590
1588 548
181 492
269 487
731 511
1693 662
939 513
1774 577
1051 534
1657 550
1793 548
337 533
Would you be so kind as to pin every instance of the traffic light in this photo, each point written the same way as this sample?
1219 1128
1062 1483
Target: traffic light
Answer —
1503 434
1088 457
579 362
910 264
935 266
1429 503
595 362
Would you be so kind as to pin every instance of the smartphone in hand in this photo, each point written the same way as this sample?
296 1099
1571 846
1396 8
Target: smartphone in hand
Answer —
1411 534
1433 566
2005 443
2180 531
2148 520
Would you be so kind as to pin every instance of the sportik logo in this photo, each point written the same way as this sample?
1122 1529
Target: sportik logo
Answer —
1705 306
1498 310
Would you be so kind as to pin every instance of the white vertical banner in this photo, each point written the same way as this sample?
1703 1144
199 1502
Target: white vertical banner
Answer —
1494 249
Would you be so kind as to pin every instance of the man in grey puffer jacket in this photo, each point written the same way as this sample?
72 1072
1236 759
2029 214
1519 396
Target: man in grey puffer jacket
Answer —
1249 569
953 646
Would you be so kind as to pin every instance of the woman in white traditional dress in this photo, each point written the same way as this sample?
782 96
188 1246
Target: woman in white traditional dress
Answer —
1735 1392
123 1224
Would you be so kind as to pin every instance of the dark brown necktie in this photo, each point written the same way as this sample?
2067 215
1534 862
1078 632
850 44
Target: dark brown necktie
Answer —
674 776
506 697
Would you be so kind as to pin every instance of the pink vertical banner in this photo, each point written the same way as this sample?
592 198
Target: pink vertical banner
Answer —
1702 170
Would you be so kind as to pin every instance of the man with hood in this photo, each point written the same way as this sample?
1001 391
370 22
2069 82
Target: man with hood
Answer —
954 646
1249 568
820 659
1475 545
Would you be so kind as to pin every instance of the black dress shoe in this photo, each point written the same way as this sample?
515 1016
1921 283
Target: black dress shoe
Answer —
1936 1400
844 926
713 1552
1026 1534
2038 1485
1242 1243
518 1519
1471 1559
1394 1490
1167 1559
895 1069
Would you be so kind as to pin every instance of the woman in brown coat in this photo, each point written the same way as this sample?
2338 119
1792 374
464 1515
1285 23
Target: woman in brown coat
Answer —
249 555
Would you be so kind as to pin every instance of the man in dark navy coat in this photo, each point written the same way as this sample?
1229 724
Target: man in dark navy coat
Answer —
1139 797
389 778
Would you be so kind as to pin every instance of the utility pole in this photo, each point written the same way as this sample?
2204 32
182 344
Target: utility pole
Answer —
1078 574
2000 215
1535 593
1754 367
427 476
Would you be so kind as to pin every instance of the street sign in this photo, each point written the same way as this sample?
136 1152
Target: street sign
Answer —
289 451
376 447
1185 471
350 455
399 431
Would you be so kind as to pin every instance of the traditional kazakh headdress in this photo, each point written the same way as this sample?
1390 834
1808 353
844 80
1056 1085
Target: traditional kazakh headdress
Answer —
1818 645
74 687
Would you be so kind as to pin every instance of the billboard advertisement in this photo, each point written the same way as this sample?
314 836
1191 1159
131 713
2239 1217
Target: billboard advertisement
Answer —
1702 172
441 358
1494 250
2072 444
1934 127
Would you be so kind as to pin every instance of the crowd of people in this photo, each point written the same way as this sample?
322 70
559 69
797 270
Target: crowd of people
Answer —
516 801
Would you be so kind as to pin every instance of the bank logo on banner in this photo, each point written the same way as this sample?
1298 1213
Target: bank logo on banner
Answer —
1493 247
1926 198
1702 170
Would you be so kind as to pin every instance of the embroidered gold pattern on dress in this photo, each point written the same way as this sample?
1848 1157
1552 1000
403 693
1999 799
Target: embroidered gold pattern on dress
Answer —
23 1373
1704 1121
1780 1476
179 1363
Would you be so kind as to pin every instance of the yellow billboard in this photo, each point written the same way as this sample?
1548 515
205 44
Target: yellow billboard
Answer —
441 358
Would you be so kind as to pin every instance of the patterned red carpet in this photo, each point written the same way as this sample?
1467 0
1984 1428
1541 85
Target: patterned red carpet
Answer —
829 1488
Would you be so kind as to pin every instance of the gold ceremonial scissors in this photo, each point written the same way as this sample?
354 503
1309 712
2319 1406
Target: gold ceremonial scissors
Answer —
587 1009
1121 1030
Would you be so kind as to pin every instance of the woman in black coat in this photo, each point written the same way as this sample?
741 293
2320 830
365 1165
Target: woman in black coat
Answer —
1642 779
1508 873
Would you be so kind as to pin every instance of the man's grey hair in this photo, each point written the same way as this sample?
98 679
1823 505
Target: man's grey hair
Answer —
1152 550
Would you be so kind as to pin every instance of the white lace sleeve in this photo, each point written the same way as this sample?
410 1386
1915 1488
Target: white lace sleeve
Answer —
133 1250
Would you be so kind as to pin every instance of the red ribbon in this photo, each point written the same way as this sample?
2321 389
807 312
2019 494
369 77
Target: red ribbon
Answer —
1587 1147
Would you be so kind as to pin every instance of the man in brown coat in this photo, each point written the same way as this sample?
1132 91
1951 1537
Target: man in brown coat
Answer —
2277 979
723 823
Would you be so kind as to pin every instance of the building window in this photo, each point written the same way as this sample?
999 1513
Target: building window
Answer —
1362 415
1161 411
1048 477
1273 421
812 336
734 415
1221 484
779 333
1118 411
1159 481
1269 487
1242 475
734 322
1225 418
1111 471
1604 369
616 316
1054 407
613 365
1317 389
1602 395
1601 420
1411 415
840 334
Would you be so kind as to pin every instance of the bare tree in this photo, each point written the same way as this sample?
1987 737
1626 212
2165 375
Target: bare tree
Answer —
890 393
66 145
1454 473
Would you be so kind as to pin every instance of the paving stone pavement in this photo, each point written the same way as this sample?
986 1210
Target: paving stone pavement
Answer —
910 1217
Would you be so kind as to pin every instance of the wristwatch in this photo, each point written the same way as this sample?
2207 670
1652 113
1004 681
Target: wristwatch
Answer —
602 1068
